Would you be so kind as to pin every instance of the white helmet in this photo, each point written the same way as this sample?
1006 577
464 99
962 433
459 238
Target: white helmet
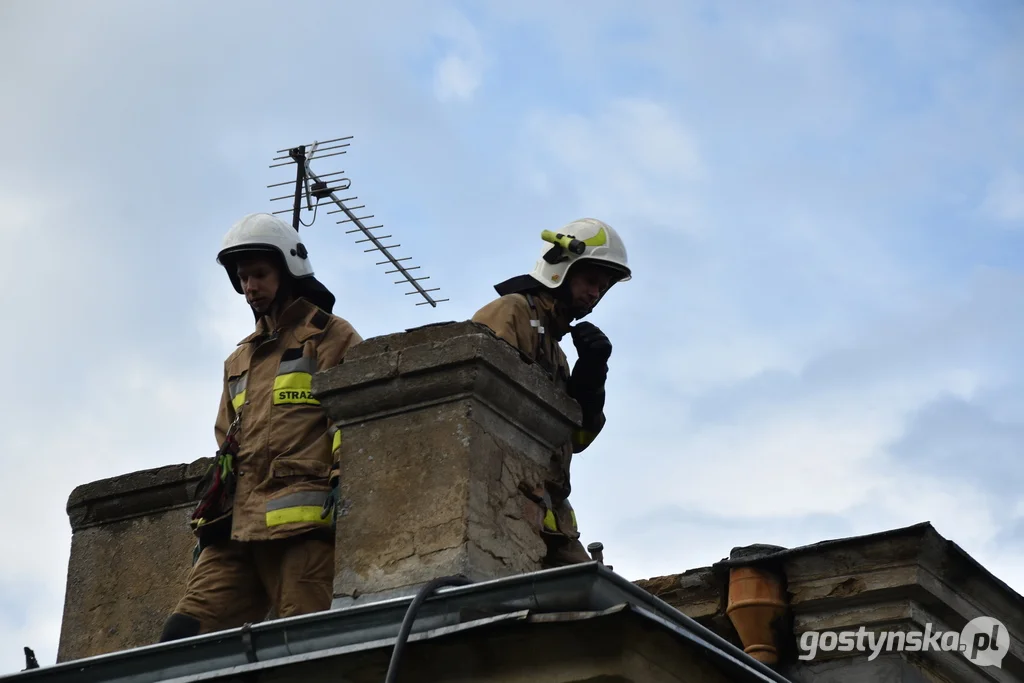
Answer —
263 232
586 239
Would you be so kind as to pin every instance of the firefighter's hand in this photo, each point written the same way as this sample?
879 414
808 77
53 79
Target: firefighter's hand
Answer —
591 343
331 504
591 369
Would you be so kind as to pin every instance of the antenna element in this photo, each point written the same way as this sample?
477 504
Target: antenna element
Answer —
324 189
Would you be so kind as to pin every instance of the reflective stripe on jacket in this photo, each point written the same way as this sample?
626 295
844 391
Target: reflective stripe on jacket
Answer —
287 446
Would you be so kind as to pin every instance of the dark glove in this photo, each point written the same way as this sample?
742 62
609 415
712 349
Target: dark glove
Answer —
592 409
591 369
331 504
591 343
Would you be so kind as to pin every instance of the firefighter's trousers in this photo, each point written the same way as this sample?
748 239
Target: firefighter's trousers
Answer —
235 583
571 552
561 535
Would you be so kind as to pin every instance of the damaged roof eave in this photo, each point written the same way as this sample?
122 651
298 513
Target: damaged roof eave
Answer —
587 587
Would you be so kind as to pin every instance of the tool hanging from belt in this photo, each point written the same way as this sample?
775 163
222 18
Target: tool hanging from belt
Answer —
217 488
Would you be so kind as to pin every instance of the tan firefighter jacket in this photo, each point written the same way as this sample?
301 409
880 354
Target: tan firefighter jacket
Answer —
287 446
534 324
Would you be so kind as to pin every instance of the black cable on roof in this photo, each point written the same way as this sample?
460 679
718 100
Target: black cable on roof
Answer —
410 617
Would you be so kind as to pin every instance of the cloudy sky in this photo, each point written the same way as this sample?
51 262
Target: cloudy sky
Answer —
823 204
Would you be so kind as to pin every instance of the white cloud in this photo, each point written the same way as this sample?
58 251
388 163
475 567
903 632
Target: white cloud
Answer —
457 78
632 157
809 450
803 446
459 74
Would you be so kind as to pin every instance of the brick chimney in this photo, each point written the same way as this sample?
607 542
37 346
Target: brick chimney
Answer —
441 423
131 551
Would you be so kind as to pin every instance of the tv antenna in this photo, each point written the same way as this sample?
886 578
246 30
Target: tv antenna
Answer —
326 186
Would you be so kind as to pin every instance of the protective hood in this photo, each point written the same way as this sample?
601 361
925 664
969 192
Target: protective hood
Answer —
516 285
315 292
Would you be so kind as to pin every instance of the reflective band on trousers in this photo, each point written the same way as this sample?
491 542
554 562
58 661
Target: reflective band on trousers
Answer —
549 517
297 507
550 521
236 390
293 382
582 437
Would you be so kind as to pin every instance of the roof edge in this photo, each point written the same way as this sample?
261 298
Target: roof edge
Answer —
589 586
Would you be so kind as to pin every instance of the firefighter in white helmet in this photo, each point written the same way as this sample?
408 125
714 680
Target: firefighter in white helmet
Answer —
577 267
268 504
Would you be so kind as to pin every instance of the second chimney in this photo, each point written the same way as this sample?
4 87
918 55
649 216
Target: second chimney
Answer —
440 426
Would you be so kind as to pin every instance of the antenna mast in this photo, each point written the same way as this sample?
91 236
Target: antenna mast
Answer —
322 189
